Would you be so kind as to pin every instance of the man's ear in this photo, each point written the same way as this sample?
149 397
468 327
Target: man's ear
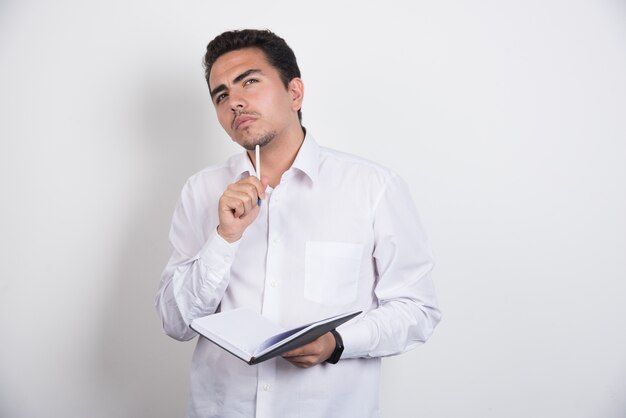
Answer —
296 89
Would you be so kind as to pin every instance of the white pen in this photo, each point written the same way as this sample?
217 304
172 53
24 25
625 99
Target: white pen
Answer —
257 151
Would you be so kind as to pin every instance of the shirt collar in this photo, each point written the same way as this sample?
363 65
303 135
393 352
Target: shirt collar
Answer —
307 161
241 166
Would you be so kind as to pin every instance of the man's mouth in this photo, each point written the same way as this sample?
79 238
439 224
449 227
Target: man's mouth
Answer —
242 121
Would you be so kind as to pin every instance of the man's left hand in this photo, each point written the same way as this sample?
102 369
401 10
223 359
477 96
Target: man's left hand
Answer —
313 353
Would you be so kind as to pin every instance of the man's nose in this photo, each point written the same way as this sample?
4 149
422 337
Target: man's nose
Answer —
237 101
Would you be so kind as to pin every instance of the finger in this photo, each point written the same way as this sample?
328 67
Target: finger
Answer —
304 351
233 206
298 352
312 348
248 200
238 205
264 183
259 185
304 361
246 188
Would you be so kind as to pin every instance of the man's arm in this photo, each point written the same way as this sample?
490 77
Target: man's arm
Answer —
198 272
407 311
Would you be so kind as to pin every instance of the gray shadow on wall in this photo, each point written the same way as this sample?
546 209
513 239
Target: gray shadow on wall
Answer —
140 367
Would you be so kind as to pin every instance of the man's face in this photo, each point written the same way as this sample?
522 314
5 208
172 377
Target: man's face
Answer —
252 104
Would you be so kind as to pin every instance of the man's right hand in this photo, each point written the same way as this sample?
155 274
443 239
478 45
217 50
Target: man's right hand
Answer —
238 207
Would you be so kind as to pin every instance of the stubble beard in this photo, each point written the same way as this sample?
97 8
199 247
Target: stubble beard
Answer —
262 140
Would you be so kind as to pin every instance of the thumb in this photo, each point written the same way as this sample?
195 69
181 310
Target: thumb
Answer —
265 182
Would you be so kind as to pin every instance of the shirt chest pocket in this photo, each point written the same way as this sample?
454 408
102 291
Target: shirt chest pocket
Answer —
331 274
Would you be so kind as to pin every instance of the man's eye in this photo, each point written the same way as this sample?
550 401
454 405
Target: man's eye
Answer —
250 81
220 97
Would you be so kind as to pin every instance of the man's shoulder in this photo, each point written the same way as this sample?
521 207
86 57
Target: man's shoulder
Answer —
332 159
214 175
213 172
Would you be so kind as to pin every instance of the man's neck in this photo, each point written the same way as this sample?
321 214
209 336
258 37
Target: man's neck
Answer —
278 156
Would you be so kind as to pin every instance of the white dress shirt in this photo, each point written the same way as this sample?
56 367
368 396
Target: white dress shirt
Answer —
338 233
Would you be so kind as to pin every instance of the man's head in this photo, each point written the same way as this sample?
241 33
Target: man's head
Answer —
276 51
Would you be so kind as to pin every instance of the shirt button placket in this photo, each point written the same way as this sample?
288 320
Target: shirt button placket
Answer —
271 309
271 294
265 389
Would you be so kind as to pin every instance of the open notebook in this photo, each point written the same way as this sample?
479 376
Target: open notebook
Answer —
254 338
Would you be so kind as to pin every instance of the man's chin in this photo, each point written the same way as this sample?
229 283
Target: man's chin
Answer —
262 140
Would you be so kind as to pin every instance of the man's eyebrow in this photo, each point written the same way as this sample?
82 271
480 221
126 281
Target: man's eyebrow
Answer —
237 79
217 89
244 75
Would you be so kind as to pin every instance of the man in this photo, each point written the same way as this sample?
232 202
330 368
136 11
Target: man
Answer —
332 233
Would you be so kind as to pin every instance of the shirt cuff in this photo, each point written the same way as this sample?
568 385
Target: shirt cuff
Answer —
218 254
358 338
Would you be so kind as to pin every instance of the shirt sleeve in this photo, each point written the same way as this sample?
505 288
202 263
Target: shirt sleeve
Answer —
407 311
197 273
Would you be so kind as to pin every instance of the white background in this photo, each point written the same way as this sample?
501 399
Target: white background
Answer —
507 118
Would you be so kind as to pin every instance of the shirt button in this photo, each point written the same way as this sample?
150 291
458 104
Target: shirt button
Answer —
276 240
227 259
274 284
266 387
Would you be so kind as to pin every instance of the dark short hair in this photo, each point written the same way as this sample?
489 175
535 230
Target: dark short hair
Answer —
278 54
